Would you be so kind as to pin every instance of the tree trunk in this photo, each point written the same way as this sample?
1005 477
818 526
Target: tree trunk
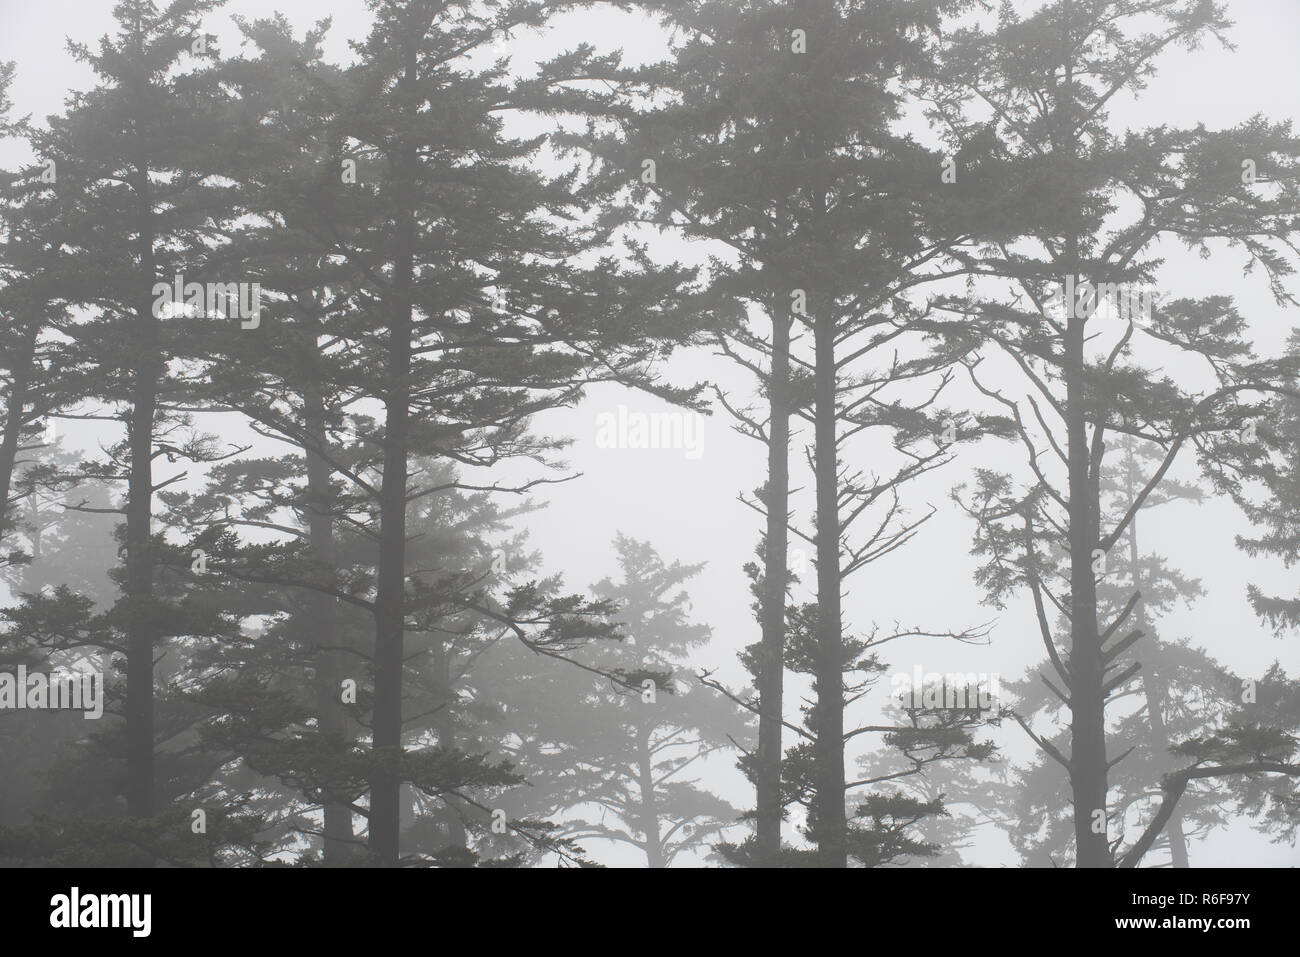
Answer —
829 826
389 608
771 675
322 619
1087 718
648 815
15 412
1087 702
143 621
444 726
1152 686
1154 691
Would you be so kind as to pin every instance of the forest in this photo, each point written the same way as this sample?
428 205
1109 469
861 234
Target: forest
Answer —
649 433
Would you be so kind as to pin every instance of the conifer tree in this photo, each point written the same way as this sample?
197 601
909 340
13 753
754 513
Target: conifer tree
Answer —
1079 251
778 140
136 204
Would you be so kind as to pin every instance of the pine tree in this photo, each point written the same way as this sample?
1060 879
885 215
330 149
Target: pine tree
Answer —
628 754
136 202
779 141
1048 78
31 304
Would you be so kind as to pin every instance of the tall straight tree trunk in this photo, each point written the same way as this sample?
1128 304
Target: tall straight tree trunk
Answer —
143 628
1087 719
1152 686
444 726
1160 737
321 617
385 819
15 411
771 676
648 815
829 824
1153 690
1088 768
